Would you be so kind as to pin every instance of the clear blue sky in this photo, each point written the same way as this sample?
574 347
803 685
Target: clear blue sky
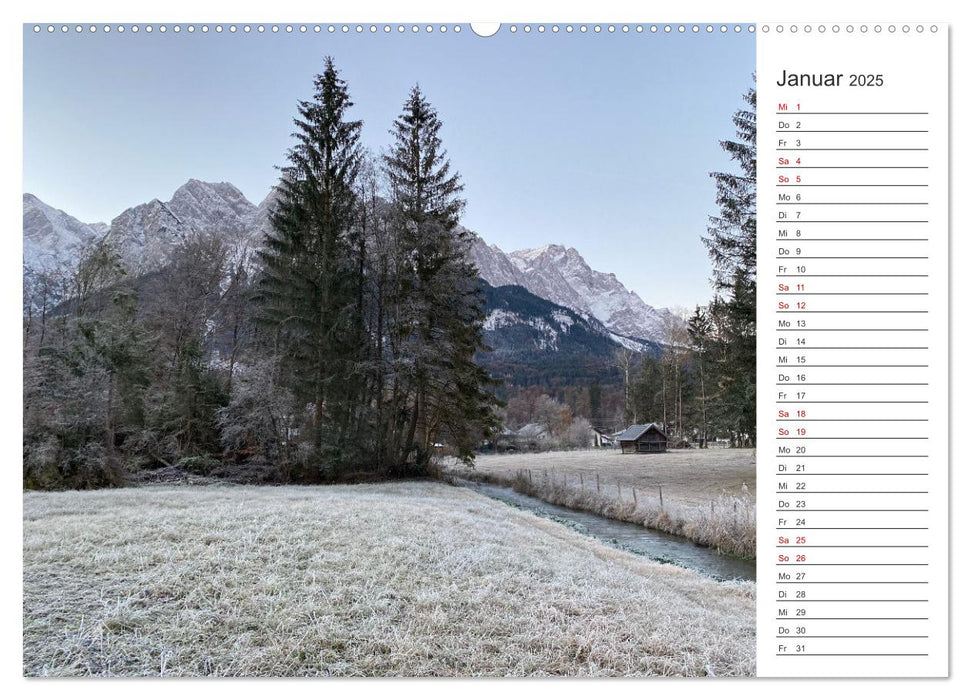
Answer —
600 142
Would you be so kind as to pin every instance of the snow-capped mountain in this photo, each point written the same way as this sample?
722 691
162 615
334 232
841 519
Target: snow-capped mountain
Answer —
533 340
562 276
53 239
537 325
146 234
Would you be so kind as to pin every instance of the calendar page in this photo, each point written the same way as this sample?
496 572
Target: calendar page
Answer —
424 348
853 245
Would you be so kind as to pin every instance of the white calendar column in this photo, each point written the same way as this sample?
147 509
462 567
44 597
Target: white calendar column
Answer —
852 350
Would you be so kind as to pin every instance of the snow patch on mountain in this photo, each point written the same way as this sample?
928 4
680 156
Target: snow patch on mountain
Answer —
500 318
146 235
564 320
547 338
562 276
630 343
52 238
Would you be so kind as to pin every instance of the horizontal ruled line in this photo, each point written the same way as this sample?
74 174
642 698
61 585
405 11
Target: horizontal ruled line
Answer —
853 510
851 257
851 221
800 239
850 131
856 185
856 366
779 150
847 583
854 311
847 204
847 330
852 167
853 294
852 114
784 474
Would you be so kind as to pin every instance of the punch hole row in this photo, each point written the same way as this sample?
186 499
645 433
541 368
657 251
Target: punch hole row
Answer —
637 28
388 28
849 29
248 29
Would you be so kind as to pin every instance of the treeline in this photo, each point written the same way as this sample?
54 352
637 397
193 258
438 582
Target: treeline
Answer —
602 405
342 348
702 387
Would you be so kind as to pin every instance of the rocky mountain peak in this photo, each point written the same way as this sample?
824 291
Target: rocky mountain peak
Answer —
212 203
562 275
53 238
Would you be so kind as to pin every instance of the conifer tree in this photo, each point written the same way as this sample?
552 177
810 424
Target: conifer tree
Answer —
731 246
438 325
700 335
307 292
731 234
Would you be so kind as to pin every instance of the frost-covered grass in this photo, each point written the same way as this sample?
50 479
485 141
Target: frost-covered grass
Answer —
707 496
391 579
726 524
686 477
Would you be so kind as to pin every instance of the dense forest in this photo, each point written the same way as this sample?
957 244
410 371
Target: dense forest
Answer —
344 347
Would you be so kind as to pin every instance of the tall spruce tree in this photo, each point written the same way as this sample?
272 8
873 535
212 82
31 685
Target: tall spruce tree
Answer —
731 246
731 234
438 322
700 334
308 286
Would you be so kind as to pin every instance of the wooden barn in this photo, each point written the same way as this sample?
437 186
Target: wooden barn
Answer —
643 438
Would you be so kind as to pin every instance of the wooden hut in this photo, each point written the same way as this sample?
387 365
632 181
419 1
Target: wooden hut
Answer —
643 438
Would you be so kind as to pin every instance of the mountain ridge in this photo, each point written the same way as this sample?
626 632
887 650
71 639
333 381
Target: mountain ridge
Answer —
146 234
561 275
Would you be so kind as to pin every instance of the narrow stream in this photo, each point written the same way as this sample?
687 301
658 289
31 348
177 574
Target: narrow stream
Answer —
628 536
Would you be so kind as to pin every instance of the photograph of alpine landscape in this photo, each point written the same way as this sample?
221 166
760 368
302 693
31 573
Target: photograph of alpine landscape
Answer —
388 350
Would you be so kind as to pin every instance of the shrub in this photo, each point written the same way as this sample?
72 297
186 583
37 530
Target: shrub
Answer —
201 464
51 464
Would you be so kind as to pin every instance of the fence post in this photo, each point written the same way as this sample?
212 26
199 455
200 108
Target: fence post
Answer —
660 495
581 481
633 490
618 490
529 473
